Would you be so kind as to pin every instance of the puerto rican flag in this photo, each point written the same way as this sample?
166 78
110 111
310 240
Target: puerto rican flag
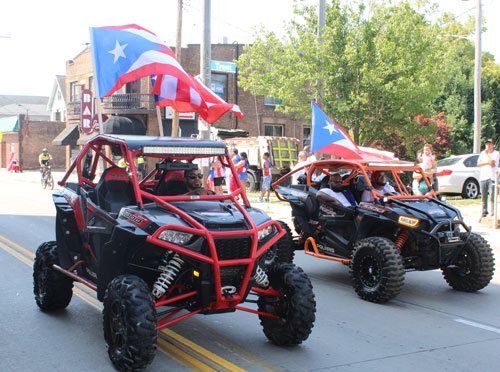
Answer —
122 54
329 138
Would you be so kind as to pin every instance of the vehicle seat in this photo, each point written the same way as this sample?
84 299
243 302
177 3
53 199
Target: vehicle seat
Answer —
172 183
357 186
114 190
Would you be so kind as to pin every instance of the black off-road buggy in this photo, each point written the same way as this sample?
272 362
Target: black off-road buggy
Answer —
156 255
381 240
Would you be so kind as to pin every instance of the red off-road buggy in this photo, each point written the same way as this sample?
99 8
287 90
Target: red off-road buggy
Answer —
156 255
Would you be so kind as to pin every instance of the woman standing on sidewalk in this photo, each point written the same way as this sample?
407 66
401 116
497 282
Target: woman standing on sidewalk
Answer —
488 165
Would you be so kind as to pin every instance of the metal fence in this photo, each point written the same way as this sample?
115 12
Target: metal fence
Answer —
129 101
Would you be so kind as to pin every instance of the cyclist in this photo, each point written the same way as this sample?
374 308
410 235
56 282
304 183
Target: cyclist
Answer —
44 159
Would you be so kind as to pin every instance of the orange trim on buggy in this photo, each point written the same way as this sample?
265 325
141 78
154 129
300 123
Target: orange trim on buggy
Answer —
316 253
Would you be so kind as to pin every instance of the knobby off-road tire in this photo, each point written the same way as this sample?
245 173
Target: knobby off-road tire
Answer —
475 266
376 269
53 290
283 250
296 307
129 319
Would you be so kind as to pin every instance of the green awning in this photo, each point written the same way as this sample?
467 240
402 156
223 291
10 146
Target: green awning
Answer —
9 124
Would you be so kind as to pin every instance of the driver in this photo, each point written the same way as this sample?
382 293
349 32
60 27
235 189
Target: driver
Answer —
336 193
194 183
380 185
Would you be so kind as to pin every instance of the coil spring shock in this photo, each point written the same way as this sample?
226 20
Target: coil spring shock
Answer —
170 269
401 239
260 277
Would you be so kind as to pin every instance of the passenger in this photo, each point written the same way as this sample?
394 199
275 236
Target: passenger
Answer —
380 184
336 193
194 183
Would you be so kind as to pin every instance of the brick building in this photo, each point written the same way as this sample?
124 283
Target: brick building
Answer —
134 100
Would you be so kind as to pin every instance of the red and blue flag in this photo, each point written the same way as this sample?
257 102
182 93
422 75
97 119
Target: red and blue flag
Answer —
122 54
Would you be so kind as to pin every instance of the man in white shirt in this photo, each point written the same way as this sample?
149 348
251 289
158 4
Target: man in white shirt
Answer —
302 161
488 165
335 194
380 185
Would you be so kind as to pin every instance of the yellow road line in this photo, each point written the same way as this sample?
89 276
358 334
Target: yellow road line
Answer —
202 351
182 357
173 351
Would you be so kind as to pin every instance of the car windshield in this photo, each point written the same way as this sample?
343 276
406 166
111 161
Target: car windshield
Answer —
447 161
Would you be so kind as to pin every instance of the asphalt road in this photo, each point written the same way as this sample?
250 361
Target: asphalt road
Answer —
429 326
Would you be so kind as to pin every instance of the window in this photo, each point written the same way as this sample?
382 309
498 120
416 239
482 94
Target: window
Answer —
306 136
274 130
74 91
471 161
219 85
270 101
91 83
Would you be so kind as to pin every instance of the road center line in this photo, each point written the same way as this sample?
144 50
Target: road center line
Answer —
190 361
477 325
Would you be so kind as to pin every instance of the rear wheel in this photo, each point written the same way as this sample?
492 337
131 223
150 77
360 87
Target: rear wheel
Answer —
251 182
129 323
283 249
295 308
470 189
474 268
376 269
53 290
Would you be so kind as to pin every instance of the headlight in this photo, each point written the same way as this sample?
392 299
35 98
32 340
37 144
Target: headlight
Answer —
408 221
266 231
175 237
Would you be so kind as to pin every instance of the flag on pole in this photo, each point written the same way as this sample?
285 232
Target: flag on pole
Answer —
192 96
122 54
329 138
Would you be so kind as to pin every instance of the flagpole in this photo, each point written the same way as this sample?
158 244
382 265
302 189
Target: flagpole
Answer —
96 86
175 115
205 57
158 117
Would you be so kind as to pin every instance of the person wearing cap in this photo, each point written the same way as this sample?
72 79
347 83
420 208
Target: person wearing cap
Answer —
488 165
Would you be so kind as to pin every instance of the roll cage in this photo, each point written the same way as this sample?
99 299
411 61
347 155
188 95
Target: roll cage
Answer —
362 169
176 149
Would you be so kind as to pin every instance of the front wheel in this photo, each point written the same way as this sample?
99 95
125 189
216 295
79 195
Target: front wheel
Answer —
50 182
283 249
129 319
376 269
53 290
295 308
474 267
251 184
470 189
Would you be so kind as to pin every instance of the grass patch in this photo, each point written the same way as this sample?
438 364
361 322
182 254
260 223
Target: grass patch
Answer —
457 201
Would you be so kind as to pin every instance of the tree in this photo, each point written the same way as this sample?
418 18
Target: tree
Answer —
378 66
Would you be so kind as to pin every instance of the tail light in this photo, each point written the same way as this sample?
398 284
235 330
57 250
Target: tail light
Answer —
445 172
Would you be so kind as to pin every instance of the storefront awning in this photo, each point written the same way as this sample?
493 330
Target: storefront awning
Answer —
68 136
9 124
84 138
123 125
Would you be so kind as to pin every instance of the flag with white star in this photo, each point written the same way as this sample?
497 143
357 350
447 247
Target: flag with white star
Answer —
329 138
122 54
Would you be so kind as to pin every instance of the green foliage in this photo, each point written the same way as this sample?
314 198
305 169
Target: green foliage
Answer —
392 78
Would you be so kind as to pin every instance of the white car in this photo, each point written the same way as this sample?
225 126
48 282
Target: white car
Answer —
459 174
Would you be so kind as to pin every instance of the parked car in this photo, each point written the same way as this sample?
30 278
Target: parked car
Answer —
459 175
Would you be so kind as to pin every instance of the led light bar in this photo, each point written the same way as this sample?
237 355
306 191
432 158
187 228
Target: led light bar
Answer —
397 165
174 150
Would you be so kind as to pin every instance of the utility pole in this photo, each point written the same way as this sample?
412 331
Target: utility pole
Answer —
321 26
477 82
205 58
175 114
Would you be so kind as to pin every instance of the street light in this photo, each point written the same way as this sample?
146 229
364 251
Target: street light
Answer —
477 82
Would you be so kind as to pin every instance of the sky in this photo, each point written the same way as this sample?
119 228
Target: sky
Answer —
38 37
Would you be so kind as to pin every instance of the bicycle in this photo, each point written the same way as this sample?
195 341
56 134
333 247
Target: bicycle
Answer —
47 180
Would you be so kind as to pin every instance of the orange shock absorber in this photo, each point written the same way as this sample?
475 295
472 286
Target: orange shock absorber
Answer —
401 239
